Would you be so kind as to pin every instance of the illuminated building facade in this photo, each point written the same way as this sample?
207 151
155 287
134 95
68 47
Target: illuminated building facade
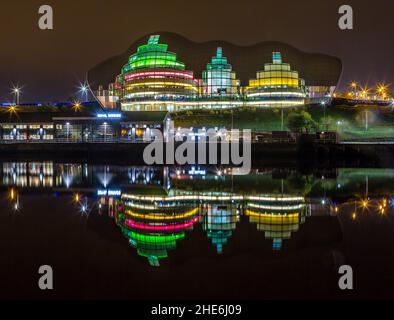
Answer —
219 80
107 98
276 85
88 123
154 73
226 80
154 80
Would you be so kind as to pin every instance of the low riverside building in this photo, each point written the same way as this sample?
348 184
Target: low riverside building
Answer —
77 123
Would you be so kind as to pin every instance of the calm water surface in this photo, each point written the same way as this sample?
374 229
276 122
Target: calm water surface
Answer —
113 231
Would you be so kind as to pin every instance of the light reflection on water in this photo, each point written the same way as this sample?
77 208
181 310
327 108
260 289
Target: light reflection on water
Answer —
163 213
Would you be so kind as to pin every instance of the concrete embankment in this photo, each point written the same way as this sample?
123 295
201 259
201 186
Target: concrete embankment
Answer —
286 154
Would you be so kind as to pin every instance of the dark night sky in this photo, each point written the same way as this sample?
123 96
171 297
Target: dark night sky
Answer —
50 63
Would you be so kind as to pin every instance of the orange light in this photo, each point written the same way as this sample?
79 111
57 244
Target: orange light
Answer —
77 106
12 109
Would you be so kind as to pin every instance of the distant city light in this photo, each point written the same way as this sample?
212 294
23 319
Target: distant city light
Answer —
77 106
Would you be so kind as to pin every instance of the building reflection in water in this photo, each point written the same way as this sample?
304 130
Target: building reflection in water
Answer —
278 217
153 226
156 208
220 221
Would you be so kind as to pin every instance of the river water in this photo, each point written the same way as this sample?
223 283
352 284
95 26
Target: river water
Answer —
134 232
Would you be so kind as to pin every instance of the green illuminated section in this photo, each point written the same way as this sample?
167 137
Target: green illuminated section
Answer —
152 246
153 55
219 62
219 79
148 238
219 238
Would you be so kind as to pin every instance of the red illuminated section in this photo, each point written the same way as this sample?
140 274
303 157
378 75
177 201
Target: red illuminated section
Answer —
159 74
133 224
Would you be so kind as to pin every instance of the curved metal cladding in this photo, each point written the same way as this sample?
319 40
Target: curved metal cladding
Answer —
154 72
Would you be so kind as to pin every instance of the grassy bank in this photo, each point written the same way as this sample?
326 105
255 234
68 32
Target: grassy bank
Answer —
358 121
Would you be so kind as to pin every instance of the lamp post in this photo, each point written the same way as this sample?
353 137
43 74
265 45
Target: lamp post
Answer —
382 91
339 122
16 91
324 114
67 130
354 86
365 94
84 90
366 119
282 120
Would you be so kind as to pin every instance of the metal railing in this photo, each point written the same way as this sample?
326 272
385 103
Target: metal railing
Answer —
73 141
368 141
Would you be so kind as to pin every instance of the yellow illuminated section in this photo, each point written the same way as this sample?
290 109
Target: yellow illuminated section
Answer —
269 218
162 216
276 73
267 80
276 226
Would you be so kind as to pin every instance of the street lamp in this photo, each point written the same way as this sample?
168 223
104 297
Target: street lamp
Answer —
382 91
365 92
16 91
84 89
339 123
77 106
323 103
105 131
366 119
67 130
354 86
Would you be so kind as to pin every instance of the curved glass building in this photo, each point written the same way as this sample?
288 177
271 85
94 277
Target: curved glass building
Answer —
155 80
276 85
219 80
154 73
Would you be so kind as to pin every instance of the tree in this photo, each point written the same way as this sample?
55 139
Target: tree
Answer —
301 121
